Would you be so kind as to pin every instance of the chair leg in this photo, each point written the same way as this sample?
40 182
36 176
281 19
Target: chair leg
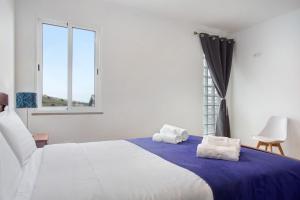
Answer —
280 149
266 148
270 145
258 144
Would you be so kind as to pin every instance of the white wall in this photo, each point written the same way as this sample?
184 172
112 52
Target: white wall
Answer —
152 70
7 48
266 79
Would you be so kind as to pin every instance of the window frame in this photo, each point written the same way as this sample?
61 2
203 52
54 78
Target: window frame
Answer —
206 76
97 69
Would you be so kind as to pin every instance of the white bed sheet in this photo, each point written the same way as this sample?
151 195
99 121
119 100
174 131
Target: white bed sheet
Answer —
110 170
29 174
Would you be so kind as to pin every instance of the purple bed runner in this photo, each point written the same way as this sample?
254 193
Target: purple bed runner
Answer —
257 176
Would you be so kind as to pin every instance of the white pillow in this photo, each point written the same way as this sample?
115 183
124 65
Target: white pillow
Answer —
17 135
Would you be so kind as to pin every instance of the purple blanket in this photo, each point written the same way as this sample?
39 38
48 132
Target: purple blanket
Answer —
257 176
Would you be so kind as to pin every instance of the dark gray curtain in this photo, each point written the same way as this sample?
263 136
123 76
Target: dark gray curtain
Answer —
218 54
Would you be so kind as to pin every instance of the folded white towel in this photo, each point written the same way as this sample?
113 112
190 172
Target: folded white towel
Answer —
218 152
219 148
175 130
167 138
221 141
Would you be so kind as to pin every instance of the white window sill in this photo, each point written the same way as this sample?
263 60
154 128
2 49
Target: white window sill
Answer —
37 112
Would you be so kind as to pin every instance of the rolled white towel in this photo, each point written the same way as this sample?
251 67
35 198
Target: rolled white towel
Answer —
167 138
218 152
175 130
221 141
157 137
184 135
171 138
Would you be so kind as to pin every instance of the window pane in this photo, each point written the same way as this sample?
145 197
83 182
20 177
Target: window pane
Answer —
83 90
209 119
211 102
55 65
210 110
210 83
211 129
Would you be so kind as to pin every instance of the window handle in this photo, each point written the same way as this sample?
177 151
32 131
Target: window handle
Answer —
38 67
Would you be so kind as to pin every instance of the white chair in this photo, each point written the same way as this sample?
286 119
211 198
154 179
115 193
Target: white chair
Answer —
274 133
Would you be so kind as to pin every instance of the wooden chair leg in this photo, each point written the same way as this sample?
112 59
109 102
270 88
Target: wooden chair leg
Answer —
258 144
270 145
280 149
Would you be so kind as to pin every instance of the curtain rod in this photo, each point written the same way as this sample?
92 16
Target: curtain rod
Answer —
197 33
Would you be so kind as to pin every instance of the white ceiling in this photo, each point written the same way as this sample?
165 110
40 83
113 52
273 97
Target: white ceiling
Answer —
228 15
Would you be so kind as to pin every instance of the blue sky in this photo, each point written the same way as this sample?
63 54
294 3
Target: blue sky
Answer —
55 63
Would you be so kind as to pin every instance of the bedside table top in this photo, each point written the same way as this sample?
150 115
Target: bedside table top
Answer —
40 137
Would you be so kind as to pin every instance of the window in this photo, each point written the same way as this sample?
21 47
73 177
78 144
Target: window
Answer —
211 102
67 66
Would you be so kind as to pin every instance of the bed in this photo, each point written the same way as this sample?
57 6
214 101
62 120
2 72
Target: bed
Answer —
140 169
